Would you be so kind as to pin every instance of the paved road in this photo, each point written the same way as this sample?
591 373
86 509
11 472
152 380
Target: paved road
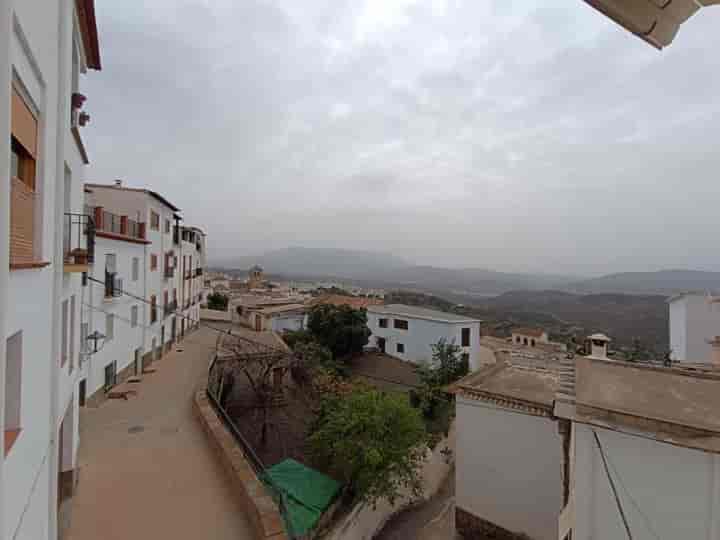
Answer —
146 469
432 520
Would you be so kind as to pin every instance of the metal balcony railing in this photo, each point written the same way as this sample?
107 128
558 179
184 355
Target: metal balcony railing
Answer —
78 239
170 308
113 223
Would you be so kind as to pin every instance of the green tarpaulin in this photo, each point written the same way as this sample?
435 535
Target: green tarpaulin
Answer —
306 492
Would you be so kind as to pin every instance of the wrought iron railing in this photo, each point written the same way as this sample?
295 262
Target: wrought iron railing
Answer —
170 308
213 392
78 239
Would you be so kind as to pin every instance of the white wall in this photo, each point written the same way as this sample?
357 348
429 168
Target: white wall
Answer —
421 335
126 339
666 491
292 321
509 468
693 321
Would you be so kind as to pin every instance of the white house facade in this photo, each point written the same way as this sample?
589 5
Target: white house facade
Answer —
645 459
45 49
509 454
409 332
694 321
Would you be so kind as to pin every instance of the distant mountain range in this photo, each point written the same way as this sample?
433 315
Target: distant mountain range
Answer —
665 282
369 268
384 270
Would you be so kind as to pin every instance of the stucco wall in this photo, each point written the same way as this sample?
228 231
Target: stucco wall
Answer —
421 335
509 468
693 321
287 322
666 491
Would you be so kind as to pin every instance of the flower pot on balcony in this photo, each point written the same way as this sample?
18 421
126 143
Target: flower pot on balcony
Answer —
77 100
80 256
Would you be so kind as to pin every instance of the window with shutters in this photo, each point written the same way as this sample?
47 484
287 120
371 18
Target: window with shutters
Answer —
23 192
133 316
154 220
135 269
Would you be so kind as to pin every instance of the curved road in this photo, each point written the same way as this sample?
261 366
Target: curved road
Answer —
146 468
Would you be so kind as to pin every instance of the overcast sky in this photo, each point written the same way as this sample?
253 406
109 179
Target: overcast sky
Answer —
460 133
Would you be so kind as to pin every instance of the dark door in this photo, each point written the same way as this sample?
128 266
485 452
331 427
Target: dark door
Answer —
173 329
162 340
82 392
381 344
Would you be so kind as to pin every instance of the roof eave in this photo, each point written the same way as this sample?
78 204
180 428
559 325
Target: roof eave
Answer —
89 31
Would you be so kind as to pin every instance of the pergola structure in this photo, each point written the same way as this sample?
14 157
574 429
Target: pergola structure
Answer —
655 21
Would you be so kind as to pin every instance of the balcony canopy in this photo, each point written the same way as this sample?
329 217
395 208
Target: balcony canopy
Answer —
655 21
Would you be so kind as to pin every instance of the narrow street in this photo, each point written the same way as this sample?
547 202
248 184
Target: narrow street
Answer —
432 520
149 461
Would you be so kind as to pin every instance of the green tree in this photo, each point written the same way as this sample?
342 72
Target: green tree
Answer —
448 364
372 441
217 301
308 358
341 329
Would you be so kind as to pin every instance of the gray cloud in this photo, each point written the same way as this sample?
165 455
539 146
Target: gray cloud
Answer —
452 132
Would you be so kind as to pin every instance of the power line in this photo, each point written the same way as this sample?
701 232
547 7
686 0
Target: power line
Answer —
612 485
220 331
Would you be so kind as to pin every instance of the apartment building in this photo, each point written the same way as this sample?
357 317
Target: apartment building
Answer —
145 285
45 49
409 332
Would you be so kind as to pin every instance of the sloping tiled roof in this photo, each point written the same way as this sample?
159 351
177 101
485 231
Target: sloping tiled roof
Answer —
153 194
534 332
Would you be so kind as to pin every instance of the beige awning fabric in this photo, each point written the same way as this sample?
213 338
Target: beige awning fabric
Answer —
655 21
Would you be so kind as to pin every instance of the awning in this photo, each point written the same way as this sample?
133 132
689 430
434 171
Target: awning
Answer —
655 21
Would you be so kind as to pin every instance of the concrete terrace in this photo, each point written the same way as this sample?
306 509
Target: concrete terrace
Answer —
150 462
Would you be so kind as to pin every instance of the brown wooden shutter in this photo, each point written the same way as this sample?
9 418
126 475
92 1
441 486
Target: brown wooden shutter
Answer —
24 125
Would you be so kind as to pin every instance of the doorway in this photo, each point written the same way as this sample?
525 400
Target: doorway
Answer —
258 323
82 392
381 344
137 362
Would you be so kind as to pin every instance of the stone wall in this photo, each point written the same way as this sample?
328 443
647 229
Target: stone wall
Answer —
252 495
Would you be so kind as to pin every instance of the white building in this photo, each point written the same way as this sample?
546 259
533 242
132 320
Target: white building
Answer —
45 48
145 284
694 322
509 453
644 451
278 318
409 332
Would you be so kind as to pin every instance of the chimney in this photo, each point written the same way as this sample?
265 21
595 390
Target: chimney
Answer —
715 355
118 182
599 346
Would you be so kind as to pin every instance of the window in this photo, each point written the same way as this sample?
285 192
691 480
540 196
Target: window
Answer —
153 309
400 324
382 323
465 337
525 341
167 226
135 269
110 269
110 375
72 332
64 333
532 342
400 348
153 261
133 316
23 145
13 389
109 326
154 220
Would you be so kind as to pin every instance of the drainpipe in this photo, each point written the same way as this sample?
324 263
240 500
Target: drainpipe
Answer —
5 82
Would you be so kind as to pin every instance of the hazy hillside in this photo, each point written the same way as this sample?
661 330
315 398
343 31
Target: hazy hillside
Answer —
664 282
384 270
623 317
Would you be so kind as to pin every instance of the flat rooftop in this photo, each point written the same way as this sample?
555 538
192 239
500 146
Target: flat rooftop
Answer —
415 312
675 395
518 386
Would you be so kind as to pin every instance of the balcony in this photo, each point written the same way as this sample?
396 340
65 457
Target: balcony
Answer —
116 226
169 272
170 308
198 272
78 242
